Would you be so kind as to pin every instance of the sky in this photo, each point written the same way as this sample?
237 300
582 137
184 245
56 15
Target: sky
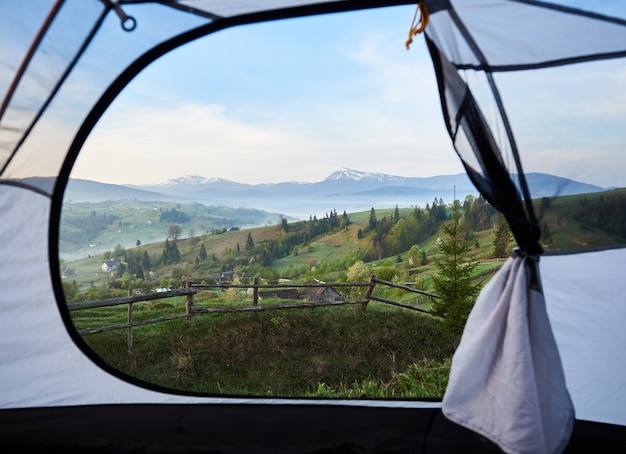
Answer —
290 100
296 100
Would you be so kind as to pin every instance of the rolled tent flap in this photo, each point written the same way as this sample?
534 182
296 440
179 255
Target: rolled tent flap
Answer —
507 381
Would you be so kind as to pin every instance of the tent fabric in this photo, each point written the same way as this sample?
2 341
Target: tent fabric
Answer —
584 295
52 386
461 40
507 364
527 34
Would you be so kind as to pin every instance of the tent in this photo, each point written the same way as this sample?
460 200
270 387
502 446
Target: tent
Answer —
540 367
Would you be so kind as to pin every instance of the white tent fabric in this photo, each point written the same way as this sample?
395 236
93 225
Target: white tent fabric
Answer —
584 295
527 27
506 380
528 362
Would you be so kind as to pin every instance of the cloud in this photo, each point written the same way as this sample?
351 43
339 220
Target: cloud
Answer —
141 144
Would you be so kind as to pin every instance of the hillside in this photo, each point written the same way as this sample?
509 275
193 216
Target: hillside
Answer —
565 221
91 228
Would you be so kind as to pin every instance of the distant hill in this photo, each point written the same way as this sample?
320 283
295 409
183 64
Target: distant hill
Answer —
344 190
91 191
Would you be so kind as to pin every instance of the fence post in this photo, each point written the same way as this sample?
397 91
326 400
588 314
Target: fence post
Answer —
130 322
189 302
370 289
255 292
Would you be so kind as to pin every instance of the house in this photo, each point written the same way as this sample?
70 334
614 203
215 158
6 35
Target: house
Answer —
66 272
287 294
108 266
225 277
321 294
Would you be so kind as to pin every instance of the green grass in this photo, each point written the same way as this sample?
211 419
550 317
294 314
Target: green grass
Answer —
381 351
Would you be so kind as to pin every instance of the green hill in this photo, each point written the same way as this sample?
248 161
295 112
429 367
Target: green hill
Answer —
91 228
571 222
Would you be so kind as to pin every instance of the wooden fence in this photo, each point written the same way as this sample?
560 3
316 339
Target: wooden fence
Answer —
191 308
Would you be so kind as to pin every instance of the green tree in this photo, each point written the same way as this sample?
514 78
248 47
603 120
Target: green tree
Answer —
372 221
413 258
358 272
145 261
202 254
127 281
118 251
502 239
345 220
455 281
386 273
171 254
249 244
70 290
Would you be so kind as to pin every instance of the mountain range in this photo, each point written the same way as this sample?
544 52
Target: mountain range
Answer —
344 189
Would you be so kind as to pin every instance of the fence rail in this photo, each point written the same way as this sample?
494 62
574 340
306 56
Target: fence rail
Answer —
192 289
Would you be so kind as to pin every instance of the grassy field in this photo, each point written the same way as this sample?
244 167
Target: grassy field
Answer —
347 351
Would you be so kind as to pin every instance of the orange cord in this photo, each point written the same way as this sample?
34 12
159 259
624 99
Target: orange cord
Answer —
421 24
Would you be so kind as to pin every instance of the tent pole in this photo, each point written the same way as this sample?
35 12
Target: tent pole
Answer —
29 56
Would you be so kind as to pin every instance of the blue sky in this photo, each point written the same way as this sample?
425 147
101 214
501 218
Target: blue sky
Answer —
283 101
296 100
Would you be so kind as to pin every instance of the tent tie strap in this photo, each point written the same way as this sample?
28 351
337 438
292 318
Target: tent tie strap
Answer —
418 25
128 22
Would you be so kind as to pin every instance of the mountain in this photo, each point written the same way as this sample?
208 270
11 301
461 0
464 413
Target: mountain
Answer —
78 190
344 190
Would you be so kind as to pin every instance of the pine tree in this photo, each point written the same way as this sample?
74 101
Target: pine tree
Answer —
171 254
249 244
145 261
372 221
503 236
455 280
202 254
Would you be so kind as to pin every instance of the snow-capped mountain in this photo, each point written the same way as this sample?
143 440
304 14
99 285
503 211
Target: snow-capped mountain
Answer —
188 184
344 190
345 174
190 180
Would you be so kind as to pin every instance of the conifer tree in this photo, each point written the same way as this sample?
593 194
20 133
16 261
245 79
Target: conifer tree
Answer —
202 254
372 221
503 236
455 280
249 244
